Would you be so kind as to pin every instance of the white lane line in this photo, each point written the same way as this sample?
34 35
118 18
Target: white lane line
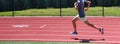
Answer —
64 40
46 40
56 35
57 31
42 26
108 42
20 26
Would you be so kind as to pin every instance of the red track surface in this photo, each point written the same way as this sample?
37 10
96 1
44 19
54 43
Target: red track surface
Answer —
57 29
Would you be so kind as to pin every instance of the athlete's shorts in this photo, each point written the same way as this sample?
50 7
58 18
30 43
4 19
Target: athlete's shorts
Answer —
83 18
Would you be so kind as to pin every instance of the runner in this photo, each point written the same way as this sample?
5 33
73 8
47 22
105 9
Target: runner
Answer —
79 6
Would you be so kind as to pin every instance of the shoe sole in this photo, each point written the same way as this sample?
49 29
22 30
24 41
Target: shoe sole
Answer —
73 34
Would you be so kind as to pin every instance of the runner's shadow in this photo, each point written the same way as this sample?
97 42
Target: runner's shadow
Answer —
87 40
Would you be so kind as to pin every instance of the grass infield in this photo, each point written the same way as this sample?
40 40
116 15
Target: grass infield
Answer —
93 11
26 42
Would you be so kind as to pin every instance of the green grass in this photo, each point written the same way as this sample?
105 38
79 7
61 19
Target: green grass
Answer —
93 11
112 11
24 42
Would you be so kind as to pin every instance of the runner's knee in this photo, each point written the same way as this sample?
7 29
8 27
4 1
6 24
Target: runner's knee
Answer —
74 20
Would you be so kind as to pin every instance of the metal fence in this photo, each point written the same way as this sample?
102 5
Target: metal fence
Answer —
101 11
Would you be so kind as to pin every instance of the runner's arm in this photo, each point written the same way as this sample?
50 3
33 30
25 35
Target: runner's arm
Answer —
88 5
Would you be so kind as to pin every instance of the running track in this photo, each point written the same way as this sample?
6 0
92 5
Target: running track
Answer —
55 29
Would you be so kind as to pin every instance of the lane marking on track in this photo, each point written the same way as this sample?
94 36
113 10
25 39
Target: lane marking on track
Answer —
42 26
42 39
117 32
20 26
50 35
64 40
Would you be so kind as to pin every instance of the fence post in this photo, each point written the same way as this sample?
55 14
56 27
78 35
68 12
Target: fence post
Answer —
60 9
103 8
13 8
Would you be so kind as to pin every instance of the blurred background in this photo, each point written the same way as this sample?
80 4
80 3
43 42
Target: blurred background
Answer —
57 8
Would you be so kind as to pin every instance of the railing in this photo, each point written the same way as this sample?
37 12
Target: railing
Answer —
68 11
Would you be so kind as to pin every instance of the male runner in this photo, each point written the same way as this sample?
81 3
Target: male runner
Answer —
79 6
